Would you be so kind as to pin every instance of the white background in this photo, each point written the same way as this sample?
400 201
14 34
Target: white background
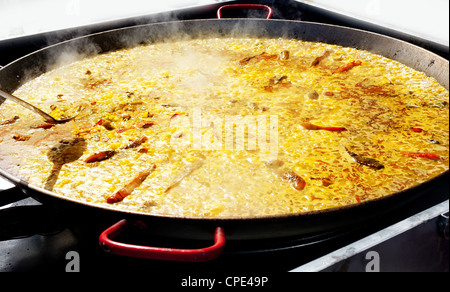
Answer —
425 18
428 19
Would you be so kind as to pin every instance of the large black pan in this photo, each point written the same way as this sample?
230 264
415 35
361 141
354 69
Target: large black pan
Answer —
14 74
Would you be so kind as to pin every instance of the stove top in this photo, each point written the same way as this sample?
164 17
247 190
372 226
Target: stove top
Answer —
33 238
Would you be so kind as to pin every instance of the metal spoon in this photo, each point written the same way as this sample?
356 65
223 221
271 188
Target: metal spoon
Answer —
48 118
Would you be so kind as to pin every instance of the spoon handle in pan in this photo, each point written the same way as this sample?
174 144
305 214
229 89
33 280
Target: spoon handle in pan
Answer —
31 107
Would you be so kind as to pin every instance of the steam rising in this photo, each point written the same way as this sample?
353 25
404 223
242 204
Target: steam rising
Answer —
166 31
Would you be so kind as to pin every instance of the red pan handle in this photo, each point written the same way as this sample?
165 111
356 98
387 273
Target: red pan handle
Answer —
246 6
108 244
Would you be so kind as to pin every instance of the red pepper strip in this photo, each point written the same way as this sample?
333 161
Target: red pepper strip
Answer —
417 130
100 156
145 124
334 129
10 121
122 130
143 150
431 156
309 126
348 66
130 187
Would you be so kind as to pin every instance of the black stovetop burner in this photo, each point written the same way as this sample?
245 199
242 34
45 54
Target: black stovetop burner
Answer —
33 238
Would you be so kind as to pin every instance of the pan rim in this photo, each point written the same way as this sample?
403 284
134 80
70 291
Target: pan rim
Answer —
281 217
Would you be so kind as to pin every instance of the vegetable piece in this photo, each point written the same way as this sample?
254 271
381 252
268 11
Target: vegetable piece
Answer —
320 58
262 56
326 181
313 95
130 187
370 162
10 121
145 124
104 155
43 126
136 143
434 141
107 125
245 61
287 175
416 130
141 125
347 67
308 126
123 130
284 55
431 156
21 138
277 80
294 179
185 173
265 56
280 81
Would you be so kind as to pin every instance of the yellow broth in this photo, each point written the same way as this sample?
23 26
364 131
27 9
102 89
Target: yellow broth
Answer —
223 122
